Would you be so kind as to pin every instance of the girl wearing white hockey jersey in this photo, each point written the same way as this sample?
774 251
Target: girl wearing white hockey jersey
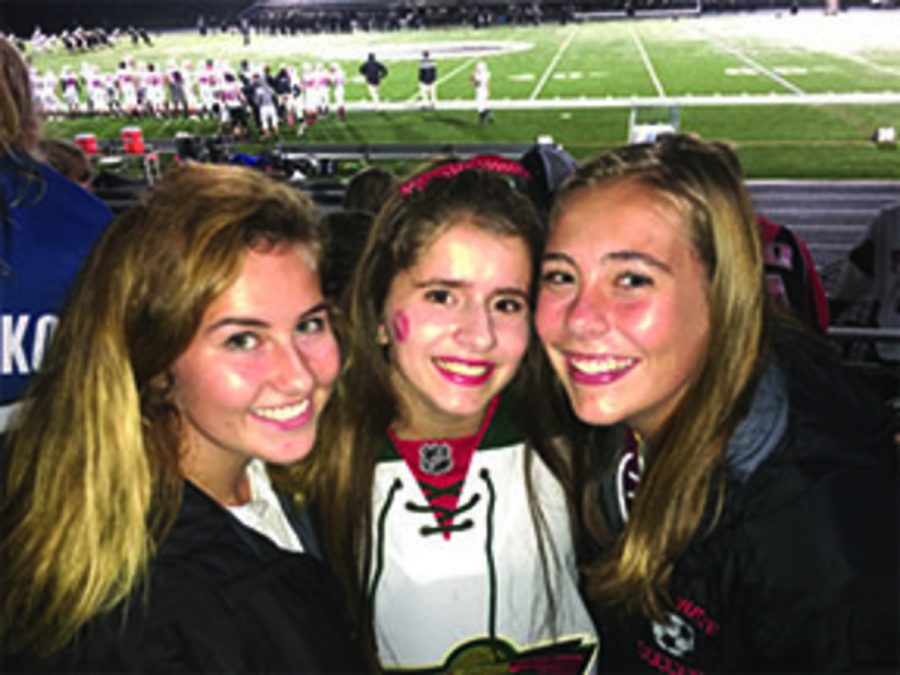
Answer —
449 529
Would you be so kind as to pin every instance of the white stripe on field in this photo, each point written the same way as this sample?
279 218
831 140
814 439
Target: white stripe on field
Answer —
651 71
556 57
869 64
626 102
753 64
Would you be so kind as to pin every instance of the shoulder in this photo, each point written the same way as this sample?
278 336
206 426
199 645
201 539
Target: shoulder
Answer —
833 464
830 407
72 202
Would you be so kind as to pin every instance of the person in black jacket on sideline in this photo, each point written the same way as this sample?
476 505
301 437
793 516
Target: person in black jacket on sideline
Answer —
142 529
374 71
740 485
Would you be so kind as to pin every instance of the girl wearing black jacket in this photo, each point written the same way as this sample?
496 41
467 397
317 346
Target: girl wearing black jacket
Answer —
743 490
141 529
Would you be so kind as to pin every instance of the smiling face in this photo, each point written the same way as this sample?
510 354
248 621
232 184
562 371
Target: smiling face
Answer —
622 311
258 371
457 326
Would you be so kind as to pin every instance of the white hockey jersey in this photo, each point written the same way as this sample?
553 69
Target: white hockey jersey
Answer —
457 578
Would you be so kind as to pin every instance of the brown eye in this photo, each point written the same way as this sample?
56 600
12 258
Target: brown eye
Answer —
242 342
313 325
509 305
556 277
439 296
632 280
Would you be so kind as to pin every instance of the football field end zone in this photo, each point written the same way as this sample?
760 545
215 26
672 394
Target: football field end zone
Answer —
714 100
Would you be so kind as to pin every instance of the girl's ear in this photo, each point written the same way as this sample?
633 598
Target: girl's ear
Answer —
381 335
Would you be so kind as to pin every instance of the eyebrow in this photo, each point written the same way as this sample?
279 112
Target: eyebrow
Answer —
249 322
613 256
457 283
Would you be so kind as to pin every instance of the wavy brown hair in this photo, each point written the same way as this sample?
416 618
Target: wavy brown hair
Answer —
683 484
94 481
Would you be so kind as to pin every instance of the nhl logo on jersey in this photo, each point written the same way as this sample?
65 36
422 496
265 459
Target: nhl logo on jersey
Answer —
435 458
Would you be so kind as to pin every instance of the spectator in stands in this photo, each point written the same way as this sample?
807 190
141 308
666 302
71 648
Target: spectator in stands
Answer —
548 165
741 487
68 159
871 272
428 81
347 234
374 72
433 502
48 224
481 80
192 361
791 276
369 189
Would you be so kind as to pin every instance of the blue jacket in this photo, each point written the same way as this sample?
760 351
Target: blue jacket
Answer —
48 224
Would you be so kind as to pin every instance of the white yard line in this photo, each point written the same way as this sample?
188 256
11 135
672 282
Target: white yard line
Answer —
462 66
758 67
713 101
887 70
648 64
556 57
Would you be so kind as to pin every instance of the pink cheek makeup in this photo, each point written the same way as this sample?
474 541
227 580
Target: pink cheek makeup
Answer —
400 324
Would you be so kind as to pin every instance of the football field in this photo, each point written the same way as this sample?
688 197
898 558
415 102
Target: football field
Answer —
800 96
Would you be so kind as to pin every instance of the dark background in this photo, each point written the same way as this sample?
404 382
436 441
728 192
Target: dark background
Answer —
21 16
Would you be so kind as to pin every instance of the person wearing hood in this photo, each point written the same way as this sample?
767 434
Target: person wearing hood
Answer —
739 484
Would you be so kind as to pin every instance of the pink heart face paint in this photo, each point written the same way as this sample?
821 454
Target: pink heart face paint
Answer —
400 324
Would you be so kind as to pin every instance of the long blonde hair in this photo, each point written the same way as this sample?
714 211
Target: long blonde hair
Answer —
682 488
94 480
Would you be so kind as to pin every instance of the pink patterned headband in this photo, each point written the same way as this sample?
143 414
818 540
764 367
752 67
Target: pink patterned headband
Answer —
493 163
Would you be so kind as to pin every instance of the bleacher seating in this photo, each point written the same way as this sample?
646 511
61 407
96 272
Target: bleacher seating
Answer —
830 216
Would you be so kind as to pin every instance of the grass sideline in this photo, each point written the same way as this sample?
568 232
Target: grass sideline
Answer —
578 83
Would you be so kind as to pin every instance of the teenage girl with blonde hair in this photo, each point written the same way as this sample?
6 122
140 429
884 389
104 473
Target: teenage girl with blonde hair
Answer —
744 502
140 526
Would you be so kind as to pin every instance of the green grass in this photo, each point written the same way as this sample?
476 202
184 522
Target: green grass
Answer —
610 63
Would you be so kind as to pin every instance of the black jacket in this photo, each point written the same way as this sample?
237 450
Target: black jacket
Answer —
374 71
223 599
800 572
